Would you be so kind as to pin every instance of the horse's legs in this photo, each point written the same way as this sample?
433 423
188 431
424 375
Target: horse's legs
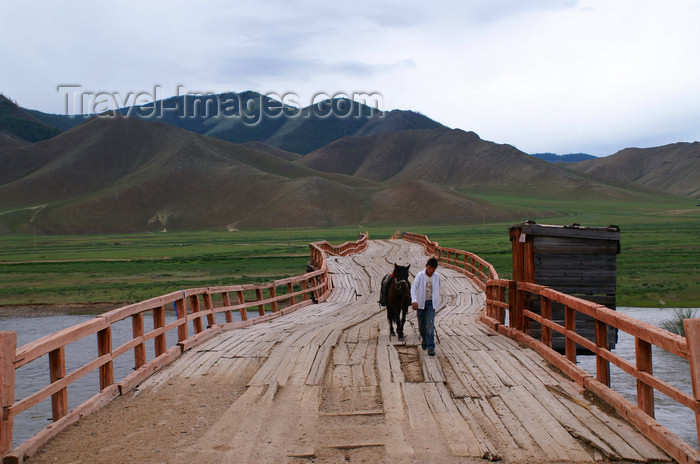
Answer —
391 326
401 321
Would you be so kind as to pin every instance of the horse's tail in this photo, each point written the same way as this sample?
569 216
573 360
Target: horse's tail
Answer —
395 316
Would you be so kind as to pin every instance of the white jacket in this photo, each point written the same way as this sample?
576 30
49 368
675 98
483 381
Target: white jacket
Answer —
418 290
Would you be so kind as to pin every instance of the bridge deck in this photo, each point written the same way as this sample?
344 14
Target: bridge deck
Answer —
327 384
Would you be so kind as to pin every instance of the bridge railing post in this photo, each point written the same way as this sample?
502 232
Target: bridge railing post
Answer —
273 295
137 327
290 291
512 303
602 364
226 301
501 311
259 297
546 305
57 371
692 337
329 282
194 307
316 292
645 393
241 301
8 348
570 325
160 341
104 347
519 309
490 311
209 306
181 311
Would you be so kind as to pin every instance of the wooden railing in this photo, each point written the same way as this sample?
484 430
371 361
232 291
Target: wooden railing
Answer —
345 249
513 297
479 270
192 307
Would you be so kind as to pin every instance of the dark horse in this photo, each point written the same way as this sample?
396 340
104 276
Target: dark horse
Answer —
398 296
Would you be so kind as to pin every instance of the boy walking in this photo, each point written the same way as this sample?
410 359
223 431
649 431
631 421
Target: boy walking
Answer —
425 299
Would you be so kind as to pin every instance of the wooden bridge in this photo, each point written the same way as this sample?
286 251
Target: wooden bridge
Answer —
328 384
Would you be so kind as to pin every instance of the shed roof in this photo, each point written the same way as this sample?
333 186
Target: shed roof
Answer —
570 230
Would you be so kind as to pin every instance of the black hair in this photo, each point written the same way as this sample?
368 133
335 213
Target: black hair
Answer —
432 262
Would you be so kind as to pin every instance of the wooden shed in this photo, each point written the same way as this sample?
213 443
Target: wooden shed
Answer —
573 259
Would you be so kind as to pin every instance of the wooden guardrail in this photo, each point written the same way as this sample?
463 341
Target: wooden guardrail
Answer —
514 297
192 307
479 270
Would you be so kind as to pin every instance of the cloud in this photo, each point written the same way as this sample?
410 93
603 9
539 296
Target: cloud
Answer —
257 67
551 75
496 10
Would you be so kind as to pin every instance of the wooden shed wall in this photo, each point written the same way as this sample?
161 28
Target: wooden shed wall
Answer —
578 261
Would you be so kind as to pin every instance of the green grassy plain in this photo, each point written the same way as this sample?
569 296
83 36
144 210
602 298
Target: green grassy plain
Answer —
134 267
659 260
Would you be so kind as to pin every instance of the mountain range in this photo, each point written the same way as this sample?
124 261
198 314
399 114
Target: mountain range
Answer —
125 174
122 174
673 168
250 116
568 158
19 126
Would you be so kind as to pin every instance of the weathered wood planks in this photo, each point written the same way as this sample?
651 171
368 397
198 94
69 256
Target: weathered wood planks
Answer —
330 385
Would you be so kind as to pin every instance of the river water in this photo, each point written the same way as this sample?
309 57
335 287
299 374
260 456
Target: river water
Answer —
35 375
29 379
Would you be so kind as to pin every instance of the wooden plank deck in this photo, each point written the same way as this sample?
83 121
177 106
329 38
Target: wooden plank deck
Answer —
327 384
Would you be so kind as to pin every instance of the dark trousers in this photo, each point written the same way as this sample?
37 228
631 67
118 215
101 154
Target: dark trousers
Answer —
426 324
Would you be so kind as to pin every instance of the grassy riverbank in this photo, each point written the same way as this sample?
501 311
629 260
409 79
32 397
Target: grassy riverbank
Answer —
659 261
658 264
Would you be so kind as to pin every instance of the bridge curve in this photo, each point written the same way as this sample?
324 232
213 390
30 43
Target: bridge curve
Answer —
328 384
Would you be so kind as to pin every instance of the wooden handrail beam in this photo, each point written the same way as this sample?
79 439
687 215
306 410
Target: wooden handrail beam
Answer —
648 332
45 345
46 392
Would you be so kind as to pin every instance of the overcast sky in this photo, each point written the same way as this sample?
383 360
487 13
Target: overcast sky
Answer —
559 76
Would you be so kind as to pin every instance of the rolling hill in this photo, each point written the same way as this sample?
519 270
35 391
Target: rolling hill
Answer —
265 148
9 140
250 116
123 175
673 168
20 124
144 173
455 159
62 122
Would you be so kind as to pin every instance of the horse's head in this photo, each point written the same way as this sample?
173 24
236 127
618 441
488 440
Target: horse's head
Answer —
401 277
